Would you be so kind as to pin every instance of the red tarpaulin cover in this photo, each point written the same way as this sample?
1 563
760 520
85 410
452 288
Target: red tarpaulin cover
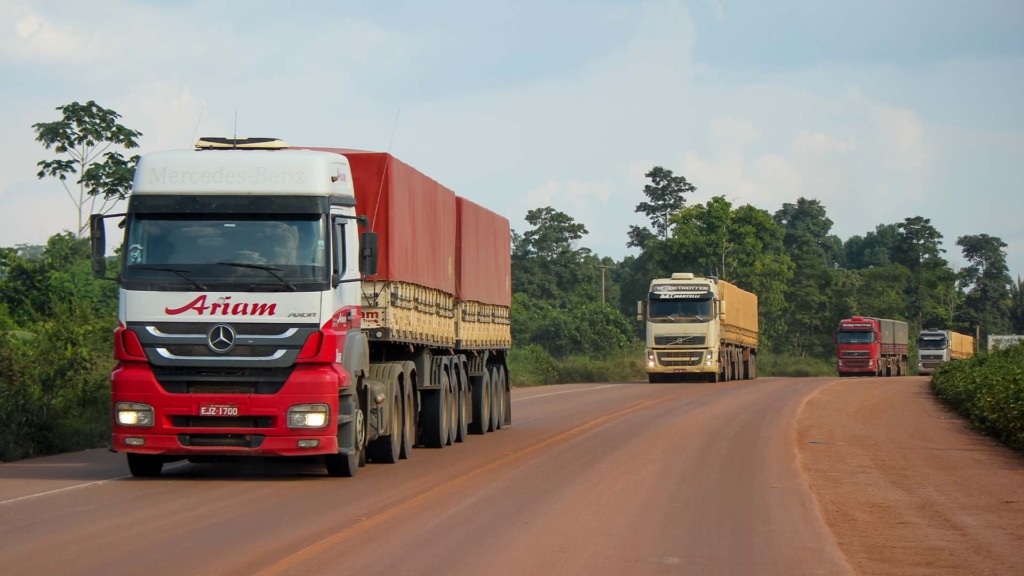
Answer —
484 265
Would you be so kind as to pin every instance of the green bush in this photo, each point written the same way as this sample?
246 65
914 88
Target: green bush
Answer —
987 390
769 364
532 365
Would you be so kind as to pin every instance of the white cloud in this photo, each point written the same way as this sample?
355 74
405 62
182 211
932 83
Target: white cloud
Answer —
32 37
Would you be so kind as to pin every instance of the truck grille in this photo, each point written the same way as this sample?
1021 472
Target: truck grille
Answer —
190 380
856 353
680 358
188 343
931 357
856 363
680 340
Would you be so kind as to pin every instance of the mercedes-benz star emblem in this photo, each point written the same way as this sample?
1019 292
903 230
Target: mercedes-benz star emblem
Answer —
221 339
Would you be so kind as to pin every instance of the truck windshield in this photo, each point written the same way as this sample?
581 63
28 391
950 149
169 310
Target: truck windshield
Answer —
672 310
225 251
931 344
856 337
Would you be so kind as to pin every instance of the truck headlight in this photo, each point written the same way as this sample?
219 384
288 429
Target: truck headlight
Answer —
708 357
650 358
133 414
308 416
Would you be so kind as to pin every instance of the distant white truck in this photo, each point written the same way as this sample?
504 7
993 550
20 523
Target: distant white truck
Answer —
997 341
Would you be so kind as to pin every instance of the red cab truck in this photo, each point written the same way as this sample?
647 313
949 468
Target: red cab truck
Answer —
868 346
283 302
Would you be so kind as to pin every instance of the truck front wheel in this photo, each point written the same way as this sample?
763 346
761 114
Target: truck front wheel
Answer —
351 440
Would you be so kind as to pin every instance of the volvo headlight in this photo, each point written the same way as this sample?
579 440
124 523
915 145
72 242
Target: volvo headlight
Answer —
133 414
308 416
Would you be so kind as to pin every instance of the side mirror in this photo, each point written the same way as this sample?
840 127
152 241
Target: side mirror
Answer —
721 309
639 310
98 240
368 253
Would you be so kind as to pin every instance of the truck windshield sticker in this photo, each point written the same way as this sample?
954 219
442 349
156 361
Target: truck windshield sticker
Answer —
135 254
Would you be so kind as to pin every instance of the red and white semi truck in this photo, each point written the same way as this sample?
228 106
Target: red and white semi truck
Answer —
868 346
279 302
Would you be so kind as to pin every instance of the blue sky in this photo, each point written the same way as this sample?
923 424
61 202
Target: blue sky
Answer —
880 110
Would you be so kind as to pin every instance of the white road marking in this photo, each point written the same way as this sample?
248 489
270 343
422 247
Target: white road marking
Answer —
566 392
66 488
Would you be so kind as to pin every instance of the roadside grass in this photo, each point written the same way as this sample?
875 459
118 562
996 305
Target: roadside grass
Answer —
988 390
533 366
769 364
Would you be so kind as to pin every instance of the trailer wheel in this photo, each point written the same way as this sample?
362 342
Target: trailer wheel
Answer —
408 423
492 426
499 389
145 465
506 397
453 410
481 403
435 417
464 403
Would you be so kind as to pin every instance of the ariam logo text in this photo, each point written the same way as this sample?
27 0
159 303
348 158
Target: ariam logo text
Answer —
224 307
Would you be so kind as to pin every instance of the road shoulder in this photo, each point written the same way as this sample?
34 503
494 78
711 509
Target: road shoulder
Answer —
905 486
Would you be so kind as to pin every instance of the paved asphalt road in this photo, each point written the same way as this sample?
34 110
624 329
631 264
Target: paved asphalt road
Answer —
776 476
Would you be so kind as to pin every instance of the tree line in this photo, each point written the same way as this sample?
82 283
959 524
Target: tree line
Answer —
572 301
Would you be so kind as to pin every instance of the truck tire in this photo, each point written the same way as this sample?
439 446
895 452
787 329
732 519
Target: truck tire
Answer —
453 409
351 440
506 397
492 426
481 403
388 448
145 465
434 415
499 390
408 420
464 401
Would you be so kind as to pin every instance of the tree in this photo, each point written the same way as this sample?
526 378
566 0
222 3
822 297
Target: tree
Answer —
876 248
664 198
87 136
1017 306
810 313
918 249
986 282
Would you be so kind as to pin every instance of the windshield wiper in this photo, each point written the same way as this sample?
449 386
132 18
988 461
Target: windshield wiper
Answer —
268 269
179 271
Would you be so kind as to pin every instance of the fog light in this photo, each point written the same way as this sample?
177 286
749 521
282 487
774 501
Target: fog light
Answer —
134 441
133 414
309 443
308 416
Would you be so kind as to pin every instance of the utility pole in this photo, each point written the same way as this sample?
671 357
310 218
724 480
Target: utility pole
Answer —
603 268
